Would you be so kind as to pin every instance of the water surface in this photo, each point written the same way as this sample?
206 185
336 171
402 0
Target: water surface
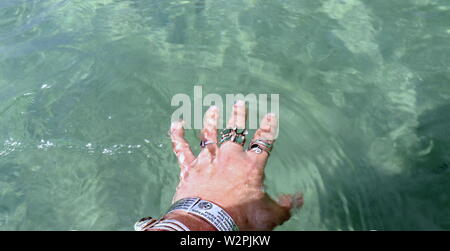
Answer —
85 90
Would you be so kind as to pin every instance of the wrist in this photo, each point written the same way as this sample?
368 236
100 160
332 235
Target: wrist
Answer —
194 223
195 214
207 211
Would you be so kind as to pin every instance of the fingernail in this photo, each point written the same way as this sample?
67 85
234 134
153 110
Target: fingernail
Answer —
271 116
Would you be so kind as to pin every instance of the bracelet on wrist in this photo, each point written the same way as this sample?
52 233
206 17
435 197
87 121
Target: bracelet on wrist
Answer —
208 211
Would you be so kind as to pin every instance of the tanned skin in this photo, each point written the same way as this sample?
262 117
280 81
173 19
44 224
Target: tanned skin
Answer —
229 176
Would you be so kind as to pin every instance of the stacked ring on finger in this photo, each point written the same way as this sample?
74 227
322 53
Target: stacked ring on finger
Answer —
260 145
204 143
234 135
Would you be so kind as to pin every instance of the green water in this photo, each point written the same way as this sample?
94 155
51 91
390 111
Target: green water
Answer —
85 91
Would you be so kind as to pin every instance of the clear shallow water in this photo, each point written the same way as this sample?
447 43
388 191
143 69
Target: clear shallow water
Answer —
85 90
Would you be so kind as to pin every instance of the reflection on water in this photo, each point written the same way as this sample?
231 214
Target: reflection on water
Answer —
85 90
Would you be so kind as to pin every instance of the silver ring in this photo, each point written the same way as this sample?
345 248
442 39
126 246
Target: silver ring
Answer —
204 143
234 135
259 145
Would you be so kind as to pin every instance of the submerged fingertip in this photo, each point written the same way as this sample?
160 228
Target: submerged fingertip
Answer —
239 102
178 124
271 116
298 200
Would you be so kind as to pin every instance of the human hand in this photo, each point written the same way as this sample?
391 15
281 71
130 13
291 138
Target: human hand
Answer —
228 175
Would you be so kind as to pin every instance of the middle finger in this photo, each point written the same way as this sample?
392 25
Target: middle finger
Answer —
236 120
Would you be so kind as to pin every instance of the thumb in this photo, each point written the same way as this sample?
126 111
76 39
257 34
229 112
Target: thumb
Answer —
287 203
290 201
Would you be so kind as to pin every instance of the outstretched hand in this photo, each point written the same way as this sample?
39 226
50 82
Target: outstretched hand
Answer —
229 176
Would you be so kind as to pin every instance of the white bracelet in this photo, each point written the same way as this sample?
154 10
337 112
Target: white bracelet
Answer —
173 224
144 223
207 210
164 224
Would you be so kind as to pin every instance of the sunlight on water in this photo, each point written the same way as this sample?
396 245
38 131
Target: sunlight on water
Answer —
85 90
